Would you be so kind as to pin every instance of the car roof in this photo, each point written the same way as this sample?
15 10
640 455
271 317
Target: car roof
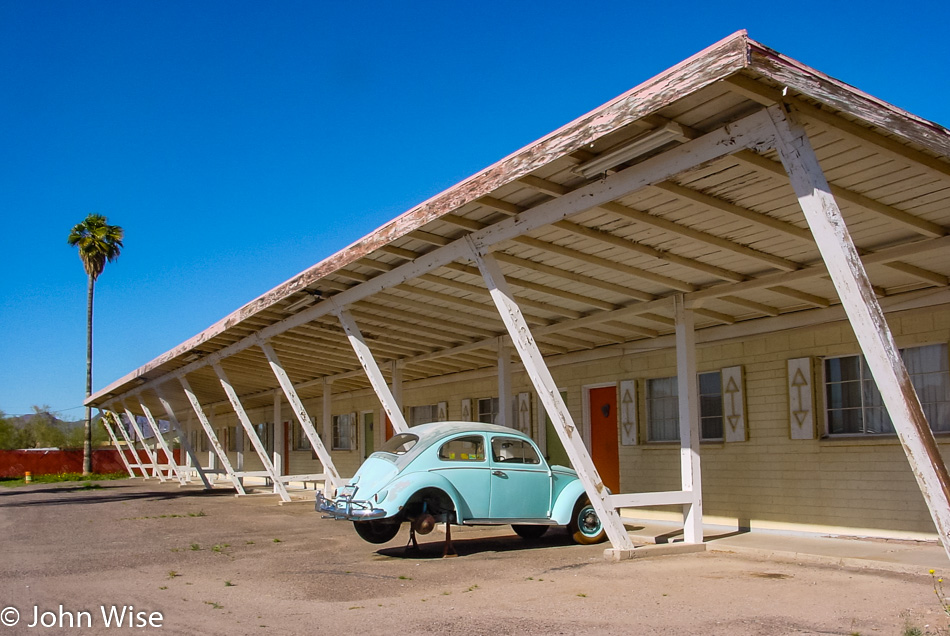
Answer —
434 431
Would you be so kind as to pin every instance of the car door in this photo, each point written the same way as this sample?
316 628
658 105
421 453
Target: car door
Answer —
520 481
462 461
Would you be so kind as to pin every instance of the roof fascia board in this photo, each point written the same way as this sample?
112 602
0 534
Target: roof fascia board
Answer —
846 98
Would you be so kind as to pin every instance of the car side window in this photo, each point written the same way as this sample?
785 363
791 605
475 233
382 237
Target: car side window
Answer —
470 448
514 451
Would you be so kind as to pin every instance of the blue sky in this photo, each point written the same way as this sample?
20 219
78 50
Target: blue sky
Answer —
240 142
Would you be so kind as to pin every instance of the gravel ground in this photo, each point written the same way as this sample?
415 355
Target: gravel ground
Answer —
210 563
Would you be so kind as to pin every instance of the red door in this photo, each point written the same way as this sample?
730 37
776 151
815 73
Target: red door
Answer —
604 447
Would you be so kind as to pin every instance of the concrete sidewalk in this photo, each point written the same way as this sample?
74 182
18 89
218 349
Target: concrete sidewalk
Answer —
911 557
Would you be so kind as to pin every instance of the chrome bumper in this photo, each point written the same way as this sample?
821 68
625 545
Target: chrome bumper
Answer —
347 508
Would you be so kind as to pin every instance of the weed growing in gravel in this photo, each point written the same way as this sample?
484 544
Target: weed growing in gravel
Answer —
472 588
912 630
163 587
172 574
404 578
220 547
276 540
200 513
228 584
195 547
214 605
248 543
939 593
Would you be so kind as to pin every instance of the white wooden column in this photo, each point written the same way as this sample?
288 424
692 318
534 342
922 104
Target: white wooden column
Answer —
332 478
137 461
104 418
156 430
550 397
278 457
183 439
326 411
864 312
505 396
249 429
156 471
219 450
375 376
687 385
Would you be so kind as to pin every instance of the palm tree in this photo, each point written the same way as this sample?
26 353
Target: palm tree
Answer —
98 243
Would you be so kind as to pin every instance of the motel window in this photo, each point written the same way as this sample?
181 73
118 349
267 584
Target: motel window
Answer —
710 406
853 403
344 429
301 442
487 410
423 414
662 402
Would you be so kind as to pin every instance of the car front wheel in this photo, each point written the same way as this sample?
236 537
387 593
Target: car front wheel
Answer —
585 526
377 531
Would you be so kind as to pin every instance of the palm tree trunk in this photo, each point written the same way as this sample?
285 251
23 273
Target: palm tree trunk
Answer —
87 440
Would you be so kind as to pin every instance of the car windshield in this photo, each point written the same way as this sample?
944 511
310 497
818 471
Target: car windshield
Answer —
399 444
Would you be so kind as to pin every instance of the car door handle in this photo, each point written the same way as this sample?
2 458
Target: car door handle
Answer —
498 473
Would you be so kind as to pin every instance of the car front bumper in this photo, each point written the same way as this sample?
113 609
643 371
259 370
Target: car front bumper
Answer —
346 508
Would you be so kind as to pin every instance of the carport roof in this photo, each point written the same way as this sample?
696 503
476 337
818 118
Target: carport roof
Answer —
729 234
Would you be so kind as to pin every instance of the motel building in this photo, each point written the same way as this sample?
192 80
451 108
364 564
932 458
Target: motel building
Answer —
722 297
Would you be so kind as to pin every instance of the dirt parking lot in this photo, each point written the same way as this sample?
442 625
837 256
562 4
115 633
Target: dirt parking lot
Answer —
209 563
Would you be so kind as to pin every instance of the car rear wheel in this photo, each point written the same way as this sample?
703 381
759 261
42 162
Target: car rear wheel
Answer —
529 532
585 526
377 531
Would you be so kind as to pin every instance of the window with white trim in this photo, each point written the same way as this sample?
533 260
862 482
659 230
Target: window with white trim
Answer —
488 410
343 432
423 414
662 404
853 403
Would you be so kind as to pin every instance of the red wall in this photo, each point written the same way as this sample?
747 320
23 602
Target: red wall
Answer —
14 463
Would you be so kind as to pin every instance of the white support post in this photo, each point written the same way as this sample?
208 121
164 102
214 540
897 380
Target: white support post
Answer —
865 315
157 431
251 433
183 439
375 376
278 457
333 479
505 409
326 411
550 397
156 471
688 391
215 444
137 460
395 385
104 418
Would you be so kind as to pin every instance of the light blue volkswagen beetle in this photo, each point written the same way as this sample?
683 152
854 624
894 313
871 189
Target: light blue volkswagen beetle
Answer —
463 473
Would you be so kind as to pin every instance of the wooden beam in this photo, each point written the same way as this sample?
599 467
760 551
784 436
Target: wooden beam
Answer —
104 418
331 475
183 438
157 432
866 317
547 391
249 429
153 460
908 220
811 299
219 450
375 376
762 308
